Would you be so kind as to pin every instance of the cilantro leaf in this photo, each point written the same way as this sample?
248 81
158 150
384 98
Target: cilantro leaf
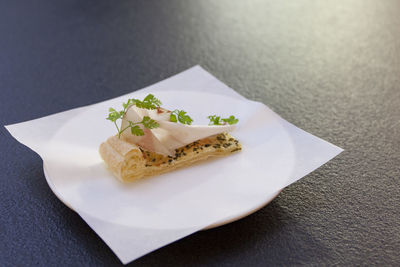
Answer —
151 99
113 115
149 123
214 120
136 130
149 102
181 116
217 120
231 120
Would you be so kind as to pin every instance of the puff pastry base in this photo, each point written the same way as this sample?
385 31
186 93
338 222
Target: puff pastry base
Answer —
129 162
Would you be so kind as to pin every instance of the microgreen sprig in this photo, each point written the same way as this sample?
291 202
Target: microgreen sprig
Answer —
217 120
149 102
181 116
147 122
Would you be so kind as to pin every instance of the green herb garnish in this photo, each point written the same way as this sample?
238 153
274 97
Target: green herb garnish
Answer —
231 120
214 120
181 116
147 122
217 120
149 102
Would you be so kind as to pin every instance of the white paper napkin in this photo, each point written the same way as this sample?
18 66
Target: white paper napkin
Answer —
135 219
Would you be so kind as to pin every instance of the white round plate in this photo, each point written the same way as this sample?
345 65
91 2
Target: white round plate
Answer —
205 195
214 225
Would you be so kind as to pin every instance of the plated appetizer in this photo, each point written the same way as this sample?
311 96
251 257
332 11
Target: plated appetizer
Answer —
152 140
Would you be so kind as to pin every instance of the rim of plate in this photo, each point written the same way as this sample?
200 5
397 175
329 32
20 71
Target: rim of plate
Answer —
231 219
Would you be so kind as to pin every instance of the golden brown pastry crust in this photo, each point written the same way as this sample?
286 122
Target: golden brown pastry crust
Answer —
129 162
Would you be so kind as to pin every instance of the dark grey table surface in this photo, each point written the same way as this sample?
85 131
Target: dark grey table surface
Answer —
330 67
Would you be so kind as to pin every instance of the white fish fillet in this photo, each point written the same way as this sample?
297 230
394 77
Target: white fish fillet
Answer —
170 135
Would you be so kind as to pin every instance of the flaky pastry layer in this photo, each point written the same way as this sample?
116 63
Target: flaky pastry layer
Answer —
129 162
